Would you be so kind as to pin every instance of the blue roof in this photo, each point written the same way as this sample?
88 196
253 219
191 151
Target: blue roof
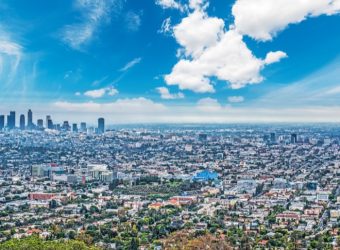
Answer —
205 175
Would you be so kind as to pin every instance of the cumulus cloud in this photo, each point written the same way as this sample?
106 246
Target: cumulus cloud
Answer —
207 110
97 93
170 4
209 105
212 52
209 50
197 32
273 57
235 99
131 64
125 106
262 19
188 75
198 4
93 13
229 60
165 94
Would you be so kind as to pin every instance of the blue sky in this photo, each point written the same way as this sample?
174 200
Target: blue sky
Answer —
171 61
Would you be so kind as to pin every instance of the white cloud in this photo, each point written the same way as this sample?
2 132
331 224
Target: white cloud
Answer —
262 19
77 94
198 32
273 57
165 94
207 110
112 91
198 4
210 51
133 106
133 21
229 60
235 99
97 93
170 4
10 48
93 13
141 110
11 53
166 26
78 34
188 75
131 64
209 105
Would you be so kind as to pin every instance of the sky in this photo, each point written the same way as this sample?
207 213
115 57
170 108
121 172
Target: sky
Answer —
171 61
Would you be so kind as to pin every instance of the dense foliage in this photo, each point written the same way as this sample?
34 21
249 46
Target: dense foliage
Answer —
36 243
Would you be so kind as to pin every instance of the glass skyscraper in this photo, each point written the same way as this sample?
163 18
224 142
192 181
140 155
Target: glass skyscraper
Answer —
22 122
2 122
101 125
11 120
30 119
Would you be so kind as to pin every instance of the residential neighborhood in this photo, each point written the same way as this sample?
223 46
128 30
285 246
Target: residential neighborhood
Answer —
139 188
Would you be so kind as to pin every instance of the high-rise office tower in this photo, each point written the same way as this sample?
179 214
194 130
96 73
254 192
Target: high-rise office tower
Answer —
2 122
22 122
29 119
11 120
101 125
75 127
83 127
293 138
66 126
40 123
48 117
49 123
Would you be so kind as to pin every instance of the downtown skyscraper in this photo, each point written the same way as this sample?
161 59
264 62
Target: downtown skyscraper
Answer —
29 119
22 122
2 122
101 125
11 120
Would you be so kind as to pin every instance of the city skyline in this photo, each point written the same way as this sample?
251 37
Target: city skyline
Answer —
141 62
26 122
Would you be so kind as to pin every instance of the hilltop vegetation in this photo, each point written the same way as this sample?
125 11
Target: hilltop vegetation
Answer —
36 243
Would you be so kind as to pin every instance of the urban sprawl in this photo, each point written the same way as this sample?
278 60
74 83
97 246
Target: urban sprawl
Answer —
171 187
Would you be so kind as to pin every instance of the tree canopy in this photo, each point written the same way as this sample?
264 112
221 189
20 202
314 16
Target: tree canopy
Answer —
36 243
